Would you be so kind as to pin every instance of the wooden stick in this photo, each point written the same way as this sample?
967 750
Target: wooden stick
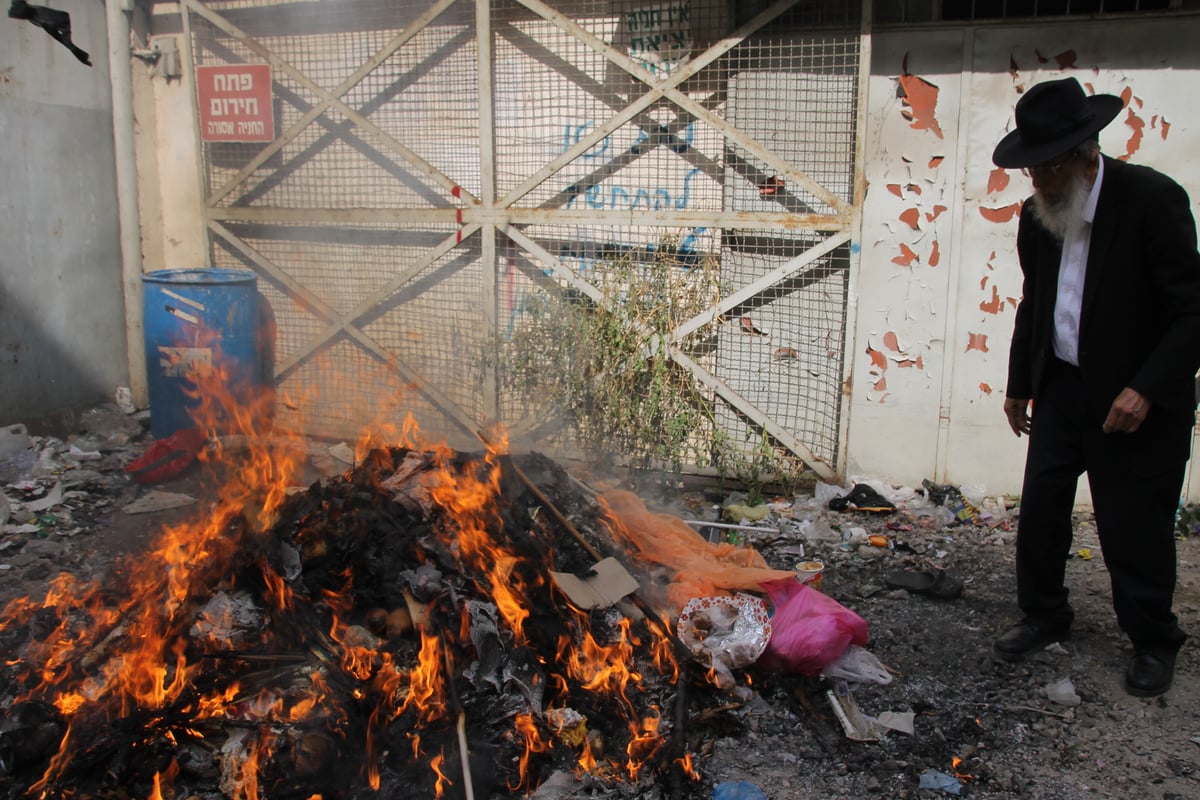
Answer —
552 509
463 755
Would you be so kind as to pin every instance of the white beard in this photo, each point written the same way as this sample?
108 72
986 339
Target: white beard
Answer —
1067 212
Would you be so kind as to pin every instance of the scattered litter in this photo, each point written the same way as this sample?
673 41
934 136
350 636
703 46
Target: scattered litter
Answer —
1063 693
857 725
343 452
863 498
858 665
1084 553
951 498
154 501
940 781
603 586
123 397
50 500
168 457
737 513
109 427
824 492
900 721
737 790
76 454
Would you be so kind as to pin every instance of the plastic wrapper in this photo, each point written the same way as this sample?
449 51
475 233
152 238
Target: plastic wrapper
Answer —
857 665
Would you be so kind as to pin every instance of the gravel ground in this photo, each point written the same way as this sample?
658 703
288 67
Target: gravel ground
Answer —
998 718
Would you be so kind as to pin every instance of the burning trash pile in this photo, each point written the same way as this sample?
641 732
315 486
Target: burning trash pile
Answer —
411 628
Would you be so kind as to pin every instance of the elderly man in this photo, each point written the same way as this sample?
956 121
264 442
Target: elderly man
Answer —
1101 373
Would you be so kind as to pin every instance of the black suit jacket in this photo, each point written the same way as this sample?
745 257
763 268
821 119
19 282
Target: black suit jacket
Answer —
1140 318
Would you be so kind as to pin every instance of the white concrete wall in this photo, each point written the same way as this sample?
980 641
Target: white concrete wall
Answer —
939 278
169 191
62 320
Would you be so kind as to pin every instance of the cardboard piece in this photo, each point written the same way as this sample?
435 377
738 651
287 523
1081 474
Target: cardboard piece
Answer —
607 584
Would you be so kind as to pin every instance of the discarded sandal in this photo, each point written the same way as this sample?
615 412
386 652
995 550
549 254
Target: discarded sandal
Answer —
937 584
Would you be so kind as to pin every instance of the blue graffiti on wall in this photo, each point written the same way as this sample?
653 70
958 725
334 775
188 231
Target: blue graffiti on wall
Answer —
614 196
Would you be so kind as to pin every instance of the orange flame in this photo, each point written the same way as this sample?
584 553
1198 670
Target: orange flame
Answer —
534 743
156 791
602 668
443 780
644 743
426 687
75 667
688 767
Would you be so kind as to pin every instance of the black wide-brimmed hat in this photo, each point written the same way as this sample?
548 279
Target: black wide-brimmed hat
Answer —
1052 117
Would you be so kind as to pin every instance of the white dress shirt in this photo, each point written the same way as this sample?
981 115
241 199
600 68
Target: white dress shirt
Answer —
1071 272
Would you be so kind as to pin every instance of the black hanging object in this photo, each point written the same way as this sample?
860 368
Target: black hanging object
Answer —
54 22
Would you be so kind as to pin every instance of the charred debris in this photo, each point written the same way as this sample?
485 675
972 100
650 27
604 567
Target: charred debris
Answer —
378 632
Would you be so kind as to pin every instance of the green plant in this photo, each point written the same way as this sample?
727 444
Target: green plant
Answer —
757 467
602 364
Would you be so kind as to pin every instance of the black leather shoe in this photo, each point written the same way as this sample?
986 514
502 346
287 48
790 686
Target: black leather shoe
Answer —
1028 636
1149 674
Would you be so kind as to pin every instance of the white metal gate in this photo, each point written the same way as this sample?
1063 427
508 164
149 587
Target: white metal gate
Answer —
439 170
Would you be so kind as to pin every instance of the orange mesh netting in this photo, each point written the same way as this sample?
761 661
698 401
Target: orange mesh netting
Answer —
701 568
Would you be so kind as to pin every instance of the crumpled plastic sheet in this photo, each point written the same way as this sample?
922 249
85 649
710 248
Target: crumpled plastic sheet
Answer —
940 781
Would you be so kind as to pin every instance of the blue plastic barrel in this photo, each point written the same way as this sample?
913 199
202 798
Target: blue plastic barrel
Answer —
194 318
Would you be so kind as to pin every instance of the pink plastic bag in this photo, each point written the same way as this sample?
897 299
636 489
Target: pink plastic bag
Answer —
809 630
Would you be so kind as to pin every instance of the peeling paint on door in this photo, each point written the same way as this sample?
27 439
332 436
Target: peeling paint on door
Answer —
920 101
1001 215
906 257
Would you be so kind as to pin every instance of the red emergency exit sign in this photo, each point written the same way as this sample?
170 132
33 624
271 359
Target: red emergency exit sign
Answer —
235 103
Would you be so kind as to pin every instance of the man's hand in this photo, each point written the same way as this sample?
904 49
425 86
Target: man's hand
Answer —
1128 412
1017 411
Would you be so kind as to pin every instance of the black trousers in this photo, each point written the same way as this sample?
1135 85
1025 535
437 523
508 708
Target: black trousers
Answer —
1135 481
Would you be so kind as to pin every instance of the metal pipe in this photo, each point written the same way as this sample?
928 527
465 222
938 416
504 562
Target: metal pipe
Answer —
121 79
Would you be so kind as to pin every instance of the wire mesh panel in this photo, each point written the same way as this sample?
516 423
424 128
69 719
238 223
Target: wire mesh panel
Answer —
745 155
611 223
376 112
